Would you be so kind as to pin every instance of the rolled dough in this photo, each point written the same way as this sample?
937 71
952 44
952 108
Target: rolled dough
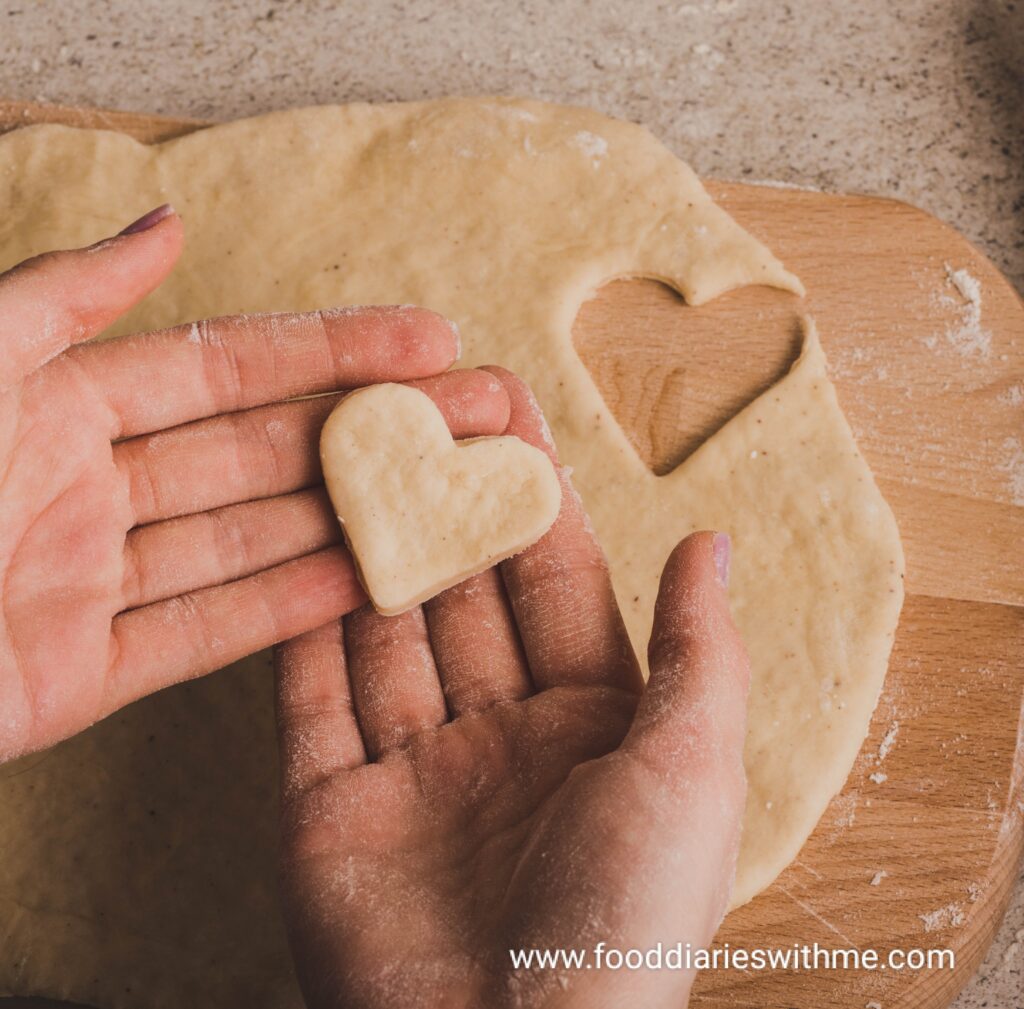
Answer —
419 511
136 861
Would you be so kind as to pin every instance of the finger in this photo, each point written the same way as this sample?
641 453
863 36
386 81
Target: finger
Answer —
694 707
394 680
476 645
181 555
560 589
60 298
318 734
191 635
222 365
272 450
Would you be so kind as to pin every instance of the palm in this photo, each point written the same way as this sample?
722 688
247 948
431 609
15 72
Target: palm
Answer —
159 509
449 828
61 548
487 774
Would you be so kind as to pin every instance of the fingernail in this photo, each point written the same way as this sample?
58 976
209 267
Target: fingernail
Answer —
722 549
147 221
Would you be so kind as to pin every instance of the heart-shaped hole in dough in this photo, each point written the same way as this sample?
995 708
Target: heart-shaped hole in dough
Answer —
683 371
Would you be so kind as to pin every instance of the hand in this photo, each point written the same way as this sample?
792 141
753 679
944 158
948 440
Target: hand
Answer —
488 773
145 539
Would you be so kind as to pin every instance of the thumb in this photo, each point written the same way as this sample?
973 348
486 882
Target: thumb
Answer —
690 724
691 721
59 298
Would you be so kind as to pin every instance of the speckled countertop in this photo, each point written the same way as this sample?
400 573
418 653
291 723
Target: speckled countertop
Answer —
917 99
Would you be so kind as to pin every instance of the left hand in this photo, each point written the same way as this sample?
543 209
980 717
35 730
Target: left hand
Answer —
158 517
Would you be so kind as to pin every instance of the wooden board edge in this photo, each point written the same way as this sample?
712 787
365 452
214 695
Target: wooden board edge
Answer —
149 129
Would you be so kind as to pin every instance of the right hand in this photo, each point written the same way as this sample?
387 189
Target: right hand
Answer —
489 773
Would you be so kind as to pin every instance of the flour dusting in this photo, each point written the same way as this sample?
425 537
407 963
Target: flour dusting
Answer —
593 146
966 335
888 741
1014 396
950 915
1013 466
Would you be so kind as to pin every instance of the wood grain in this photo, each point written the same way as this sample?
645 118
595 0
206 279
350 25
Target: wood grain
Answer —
938 415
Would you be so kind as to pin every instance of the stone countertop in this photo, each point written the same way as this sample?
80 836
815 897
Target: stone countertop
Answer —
916 99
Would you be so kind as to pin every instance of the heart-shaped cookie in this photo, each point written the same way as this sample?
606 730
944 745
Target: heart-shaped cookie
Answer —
420 511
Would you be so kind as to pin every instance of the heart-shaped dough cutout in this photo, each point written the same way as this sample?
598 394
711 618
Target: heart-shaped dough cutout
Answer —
420 511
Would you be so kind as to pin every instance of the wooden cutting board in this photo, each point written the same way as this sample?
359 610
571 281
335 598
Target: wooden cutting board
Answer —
920 849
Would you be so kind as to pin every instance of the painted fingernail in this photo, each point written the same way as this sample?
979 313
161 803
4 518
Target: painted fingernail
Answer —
147 221
722 549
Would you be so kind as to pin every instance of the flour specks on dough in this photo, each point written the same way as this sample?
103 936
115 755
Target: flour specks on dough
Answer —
593 146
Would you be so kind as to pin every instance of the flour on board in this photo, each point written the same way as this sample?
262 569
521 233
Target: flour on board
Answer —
951 914
1013 466
1014 396
888 740
965 335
